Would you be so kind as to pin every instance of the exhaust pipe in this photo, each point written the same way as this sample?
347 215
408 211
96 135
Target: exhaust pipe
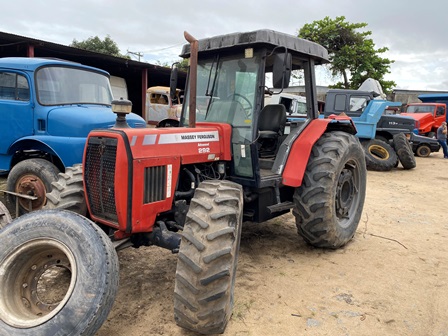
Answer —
193 78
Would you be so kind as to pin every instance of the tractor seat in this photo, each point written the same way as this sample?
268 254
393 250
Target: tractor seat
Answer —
272 121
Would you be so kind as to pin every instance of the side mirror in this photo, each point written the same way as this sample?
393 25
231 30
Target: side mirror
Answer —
281 71
173 81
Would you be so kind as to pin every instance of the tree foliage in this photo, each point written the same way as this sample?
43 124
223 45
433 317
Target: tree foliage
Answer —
352 53
95 44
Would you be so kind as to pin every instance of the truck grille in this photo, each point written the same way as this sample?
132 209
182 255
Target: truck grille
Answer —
99 177
155 184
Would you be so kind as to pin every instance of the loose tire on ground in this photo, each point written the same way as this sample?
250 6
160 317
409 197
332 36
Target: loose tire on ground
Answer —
5 216
32 177
329 203
59 275
206 267
404 151
379 155
68 191
423 151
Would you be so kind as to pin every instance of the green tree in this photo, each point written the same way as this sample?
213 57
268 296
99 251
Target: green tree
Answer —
94 43
352 53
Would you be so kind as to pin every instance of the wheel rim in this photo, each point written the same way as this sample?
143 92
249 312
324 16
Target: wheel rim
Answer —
379 152
31 185
347 193
423 151
38 279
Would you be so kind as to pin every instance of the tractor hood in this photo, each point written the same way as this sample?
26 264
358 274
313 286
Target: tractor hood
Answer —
79 120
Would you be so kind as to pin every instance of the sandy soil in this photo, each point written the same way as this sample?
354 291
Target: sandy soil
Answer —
391 279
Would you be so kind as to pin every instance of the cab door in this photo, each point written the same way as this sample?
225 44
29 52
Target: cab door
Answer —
16 108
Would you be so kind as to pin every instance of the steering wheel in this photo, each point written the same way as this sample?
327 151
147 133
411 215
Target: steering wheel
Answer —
247 109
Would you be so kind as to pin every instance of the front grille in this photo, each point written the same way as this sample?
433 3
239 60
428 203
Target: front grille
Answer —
99 177
155 184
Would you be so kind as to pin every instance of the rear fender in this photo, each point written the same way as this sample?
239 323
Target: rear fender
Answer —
300 151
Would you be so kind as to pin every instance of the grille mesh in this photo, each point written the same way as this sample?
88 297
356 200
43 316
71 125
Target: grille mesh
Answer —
155 184
99 176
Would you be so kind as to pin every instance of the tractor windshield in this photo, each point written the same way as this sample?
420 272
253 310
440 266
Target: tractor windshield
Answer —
226 91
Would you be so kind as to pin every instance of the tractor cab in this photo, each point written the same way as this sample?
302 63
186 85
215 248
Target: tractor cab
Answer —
234 73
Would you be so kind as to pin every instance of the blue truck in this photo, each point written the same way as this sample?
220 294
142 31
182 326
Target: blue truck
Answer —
47 109
383 137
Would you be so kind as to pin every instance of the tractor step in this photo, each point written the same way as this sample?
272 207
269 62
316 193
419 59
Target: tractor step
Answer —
280 207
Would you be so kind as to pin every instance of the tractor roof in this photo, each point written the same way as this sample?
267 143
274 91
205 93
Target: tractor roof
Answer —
268 38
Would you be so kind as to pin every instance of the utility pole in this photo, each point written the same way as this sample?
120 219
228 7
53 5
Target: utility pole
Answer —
138 54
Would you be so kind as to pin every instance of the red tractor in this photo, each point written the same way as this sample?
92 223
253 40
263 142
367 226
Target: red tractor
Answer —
188 189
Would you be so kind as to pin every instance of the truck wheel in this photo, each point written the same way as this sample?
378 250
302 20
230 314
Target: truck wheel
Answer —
32 177
379 155
404 151
206 267
5 216
59 275
423 151
329 203
68 191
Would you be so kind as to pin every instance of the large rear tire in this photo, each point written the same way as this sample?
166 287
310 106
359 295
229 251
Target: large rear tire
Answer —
329 203
206 267
59 275
68 191
380 156
404 151
32 177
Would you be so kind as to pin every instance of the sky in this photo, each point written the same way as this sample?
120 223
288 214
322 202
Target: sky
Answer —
415 32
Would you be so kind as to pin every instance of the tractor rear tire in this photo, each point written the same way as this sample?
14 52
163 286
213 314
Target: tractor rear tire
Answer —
59 275
328 205
380 156
5 216
68 191
32 177
423 151
206 267
404 151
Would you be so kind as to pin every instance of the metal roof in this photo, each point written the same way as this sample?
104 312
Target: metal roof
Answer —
266 37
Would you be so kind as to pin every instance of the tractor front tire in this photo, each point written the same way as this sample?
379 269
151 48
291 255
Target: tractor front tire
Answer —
59 275
68 191
32 177
380 156
328 205
206 267
404 151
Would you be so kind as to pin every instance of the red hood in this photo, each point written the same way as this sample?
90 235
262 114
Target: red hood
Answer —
419 116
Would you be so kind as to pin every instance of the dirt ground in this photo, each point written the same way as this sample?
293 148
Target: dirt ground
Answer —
391 279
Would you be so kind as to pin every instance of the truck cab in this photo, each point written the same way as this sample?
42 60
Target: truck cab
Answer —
47 109
161 109
428 116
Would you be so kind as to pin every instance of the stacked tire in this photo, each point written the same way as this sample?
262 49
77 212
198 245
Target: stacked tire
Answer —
380 156
404 151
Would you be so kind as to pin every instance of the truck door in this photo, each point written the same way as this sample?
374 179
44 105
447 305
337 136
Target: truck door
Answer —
16 109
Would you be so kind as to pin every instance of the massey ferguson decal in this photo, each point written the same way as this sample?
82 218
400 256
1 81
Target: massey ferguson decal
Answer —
188 137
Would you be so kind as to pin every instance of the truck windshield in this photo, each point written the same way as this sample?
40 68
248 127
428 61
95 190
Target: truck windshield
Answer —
63 85
226 91
420 109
